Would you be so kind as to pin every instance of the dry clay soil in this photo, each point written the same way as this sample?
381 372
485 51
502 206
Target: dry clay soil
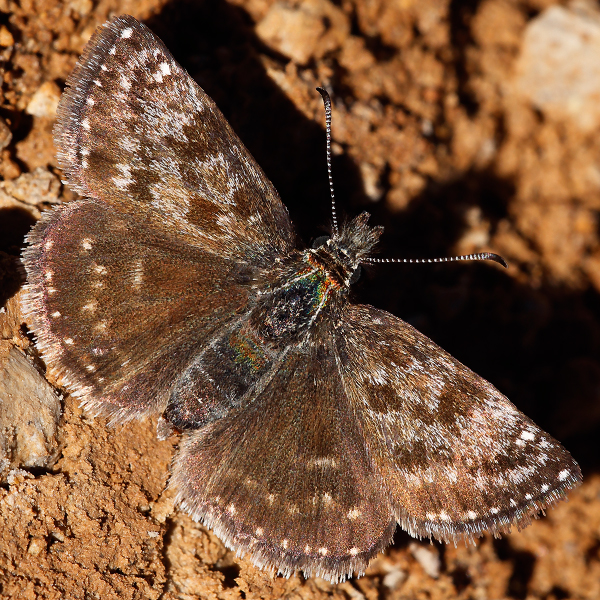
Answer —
437 139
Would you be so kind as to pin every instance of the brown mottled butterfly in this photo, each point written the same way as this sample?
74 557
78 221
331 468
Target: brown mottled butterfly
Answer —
311 426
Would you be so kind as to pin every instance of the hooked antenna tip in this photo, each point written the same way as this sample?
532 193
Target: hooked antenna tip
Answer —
496 258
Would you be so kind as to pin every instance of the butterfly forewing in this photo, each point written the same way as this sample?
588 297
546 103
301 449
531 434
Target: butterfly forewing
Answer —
137 132
457 456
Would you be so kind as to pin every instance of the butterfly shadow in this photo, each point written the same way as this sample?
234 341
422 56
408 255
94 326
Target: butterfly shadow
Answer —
215 42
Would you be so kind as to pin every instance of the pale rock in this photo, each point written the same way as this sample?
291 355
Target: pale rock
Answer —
558 70
5 134
30 411
44 101
428 558
304 30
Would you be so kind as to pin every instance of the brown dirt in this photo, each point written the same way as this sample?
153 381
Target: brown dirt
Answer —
432 138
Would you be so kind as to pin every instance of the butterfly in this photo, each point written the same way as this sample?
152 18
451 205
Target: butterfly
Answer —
310 426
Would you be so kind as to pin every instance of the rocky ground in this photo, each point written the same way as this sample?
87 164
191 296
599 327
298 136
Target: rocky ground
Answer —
461 127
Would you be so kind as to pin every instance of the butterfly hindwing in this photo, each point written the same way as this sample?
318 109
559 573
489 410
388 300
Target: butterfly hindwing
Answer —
120 309
286 477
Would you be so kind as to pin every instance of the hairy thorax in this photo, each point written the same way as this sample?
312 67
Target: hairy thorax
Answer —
242 358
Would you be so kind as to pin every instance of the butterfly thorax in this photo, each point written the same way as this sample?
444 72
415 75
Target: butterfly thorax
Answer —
311 282
309 285
334 262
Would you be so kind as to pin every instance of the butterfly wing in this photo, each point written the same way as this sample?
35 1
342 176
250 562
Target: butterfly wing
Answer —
120 309
458 458
390 428
137 132
178 224
286 478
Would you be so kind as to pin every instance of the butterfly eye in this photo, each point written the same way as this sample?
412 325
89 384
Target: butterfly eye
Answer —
320 241
356 275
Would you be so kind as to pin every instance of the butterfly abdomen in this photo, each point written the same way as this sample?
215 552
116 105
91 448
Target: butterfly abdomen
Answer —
247 350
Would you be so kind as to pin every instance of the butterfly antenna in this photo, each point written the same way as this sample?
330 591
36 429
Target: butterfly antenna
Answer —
480 256
327 103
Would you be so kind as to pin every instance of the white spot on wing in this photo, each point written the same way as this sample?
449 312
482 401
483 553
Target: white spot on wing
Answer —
100 326
354 514
126 33
323 461
138 273
563 474
125 82
123 182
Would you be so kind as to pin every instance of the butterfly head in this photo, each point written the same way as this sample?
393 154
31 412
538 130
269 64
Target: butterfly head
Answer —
341 254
